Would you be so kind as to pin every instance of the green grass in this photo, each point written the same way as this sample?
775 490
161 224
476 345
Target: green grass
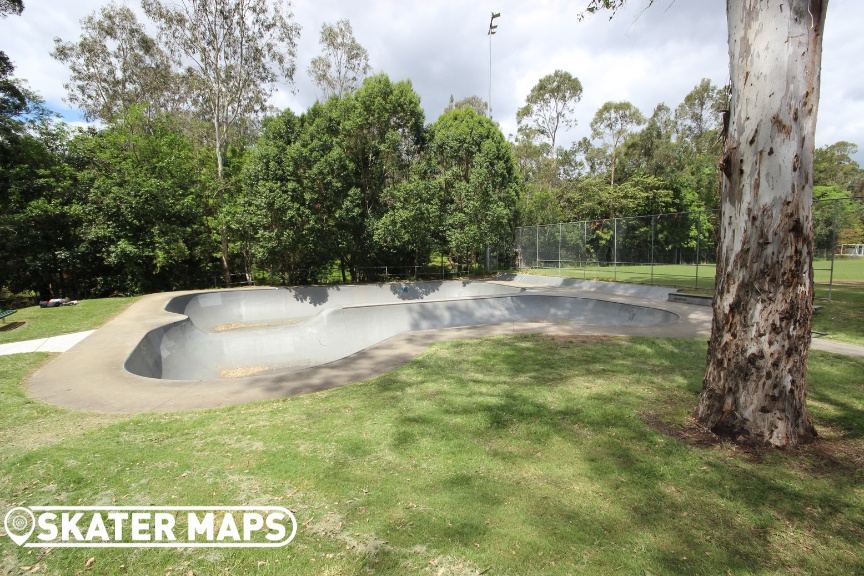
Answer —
45 322
509 455
846 271
673 275
841 318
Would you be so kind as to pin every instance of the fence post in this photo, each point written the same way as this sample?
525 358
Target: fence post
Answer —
585 250
653 225
615 249
537 247
559 247
698 240
833 249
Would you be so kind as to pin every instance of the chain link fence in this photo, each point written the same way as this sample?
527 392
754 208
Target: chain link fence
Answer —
680 249
492 260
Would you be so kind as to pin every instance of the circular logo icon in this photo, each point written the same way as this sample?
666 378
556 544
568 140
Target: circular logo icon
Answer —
19 524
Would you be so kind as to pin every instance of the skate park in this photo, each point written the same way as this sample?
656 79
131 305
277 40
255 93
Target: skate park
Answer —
177 351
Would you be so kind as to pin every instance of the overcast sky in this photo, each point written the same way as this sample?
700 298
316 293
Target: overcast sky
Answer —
644 56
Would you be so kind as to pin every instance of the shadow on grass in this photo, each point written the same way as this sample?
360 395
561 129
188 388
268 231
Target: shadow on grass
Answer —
518 455
836 392
689 509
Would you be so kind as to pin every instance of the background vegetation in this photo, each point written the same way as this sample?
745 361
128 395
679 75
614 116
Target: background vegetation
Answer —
193 181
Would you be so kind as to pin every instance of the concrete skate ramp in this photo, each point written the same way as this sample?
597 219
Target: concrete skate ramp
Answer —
315 326
209 311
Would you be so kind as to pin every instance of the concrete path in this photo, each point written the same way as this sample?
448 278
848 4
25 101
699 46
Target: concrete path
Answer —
837 347
53 344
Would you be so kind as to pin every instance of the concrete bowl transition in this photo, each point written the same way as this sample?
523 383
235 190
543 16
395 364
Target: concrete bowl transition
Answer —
205 349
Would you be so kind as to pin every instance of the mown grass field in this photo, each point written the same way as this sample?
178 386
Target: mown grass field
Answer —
507 455
44 322
847 271
841 318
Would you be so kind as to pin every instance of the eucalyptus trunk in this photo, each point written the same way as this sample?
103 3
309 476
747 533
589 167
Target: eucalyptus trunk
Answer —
756 378
223 231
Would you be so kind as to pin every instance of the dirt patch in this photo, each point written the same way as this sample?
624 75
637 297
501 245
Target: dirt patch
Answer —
571 341
241 325
830 453
243 371
688 432
238 326
9 326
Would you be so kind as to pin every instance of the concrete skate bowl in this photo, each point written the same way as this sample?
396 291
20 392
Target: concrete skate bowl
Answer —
256 332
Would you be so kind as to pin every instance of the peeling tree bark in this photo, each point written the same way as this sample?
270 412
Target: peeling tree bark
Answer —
756 378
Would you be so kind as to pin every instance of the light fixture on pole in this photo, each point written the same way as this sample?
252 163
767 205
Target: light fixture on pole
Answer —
492 30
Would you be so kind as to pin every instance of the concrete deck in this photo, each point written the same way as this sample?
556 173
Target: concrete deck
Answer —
91 375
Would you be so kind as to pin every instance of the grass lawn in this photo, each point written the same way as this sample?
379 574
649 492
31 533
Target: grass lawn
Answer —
848 271
45 322
842 318
508 455
674 275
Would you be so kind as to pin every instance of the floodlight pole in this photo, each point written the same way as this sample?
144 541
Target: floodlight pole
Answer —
490 33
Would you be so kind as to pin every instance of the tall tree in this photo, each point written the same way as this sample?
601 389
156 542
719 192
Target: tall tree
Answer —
286 204
478 176
653 148
613 122
833 166
142 209
550 105
38 222
383 135
477 103
699 117
236 51
756 377
116 65
756 381
344 63
12 99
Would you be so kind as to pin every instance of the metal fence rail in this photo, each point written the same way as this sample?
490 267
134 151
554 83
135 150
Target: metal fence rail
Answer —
680 249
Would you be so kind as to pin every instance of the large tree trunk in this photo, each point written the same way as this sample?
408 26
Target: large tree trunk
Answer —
223 232
756 378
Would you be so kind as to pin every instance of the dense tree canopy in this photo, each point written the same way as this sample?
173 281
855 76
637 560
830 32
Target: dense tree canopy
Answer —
679 150
612 123
354 182
479 180
234 52
352 185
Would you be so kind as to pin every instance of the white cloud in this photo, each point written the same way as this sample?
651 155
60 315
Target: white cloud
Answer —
643 55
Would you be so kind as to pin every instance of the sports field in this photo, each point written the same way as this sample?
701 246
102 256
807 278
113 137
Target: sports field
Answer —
847 271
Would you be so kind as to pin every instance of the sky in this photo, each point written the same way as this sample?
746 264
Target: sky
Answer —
642 55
